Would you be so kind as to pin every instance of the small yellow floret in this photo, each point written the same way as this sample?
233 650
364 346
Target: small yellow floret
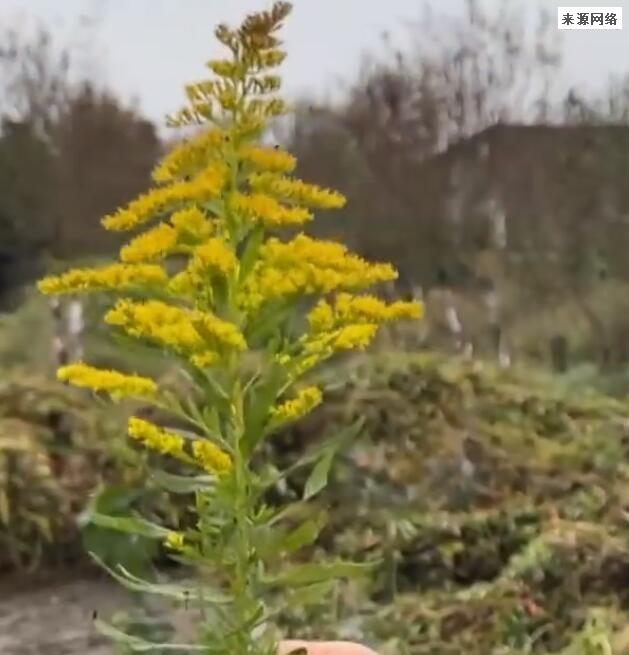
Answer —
174 540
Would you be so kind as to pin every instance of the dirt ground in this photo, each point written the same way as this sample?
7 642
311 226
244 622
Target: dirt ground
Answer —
53 616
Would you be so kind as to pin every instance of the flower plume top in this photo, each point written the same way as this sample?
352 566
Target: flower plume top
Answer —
206 264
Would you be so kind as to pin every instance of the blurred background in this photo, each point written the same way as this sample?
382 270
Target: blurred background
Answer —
485 154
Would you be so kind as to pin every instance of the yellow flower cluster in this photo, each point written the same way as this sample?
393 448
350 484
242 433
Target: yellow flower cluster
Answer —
191 156
153 244
292 410
213 256
225 68
268 211
205 186
349 309
186 331
308 266
157 439
187 227
296 191
210 457
116 384
208 260
119 277
264 59
191 223
267 159
349 337
204 453
297 365
174 540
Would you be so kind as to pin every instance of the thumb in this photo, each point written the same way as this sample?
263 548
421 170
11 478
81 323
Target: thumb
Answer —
325 647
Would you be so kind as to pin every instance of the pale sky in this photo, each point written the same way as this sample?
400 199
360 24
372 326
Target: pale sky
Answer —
147 49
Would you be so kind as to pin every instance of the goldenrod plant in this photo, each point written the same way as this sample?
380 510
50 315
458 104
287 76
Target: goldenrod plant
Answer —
211 280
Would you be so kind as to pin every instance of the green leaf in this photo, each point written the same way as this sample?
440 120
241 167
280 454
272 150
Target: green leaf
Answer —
329 443
272 542
318 478
181 484
180 592
261 398
140 645
250 252
304 535
267 323
308 574
130 525
311 594
129 549
211 418
216 387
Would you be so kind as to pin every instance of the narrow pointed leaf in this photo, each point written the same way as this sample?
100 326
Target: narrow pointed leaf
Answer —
307 574
181 484
130 525
139 645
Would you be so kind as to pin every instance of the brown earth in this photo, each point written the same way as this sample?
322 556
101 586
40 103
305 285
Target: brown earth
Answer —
53 615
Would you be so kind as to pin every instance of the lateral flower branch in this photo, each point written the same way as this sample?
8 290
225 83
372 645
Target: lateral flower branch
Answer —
207 277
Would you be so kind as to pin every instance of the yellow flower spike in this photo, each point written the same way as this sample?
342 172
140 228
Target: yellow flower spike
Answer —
157 322
268 210
174 540
150 246
192 222
214 255
137 212
263 23
225 68
116 384
291 410
155 438
185 284
267 159
266 59
265 84
115 277
307 266
348 337
185 331
205 186
228 100
369 309
354 336
296 191
211 458
190 157
305 365
321 317
226 334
